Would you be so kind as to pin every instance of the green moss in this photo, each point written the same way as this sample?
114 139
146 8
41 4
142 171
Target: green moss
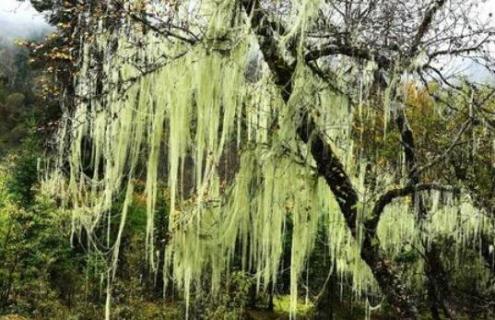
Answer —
283 305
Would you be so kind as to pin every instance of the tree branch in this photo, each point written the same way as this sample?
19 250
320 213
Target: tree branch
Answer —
393 194
350 51
165 31
425 25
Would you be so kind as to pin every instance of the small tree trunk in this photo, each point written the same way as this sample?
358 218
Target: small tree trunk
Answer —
325 303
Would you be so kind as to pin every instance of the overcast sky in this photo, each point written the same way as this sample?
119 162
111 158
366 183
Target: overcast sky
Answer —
20 20
487 7
21 13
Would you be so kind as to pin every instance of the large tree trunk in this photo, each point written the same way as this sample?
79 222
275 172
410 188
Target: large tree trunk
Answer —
330 168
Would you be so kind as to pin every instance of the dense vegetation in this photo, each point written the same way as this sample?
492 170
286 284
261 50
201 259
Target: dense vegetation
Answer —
248 160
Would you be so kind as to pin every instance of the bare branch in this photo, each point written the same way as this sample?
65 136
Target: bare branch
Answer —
389 196
425 26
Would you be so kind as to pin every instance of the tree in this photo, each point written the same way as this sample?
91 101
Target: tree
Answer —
164 72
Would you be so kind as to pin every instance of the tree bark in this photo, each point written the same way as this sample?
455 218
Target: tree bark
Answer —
488 252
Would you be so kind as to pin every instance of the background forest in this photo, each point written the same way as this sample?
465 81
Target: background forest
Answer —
249 160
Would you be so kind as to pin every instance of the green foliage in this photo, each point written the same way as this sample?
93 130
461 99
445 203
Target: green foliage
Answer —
407 256
230 304
42 275
37 260
21 181
23 107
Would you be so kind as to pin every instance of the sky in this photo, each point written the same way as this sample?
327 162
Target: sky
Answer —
23 12
487 7
19 19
